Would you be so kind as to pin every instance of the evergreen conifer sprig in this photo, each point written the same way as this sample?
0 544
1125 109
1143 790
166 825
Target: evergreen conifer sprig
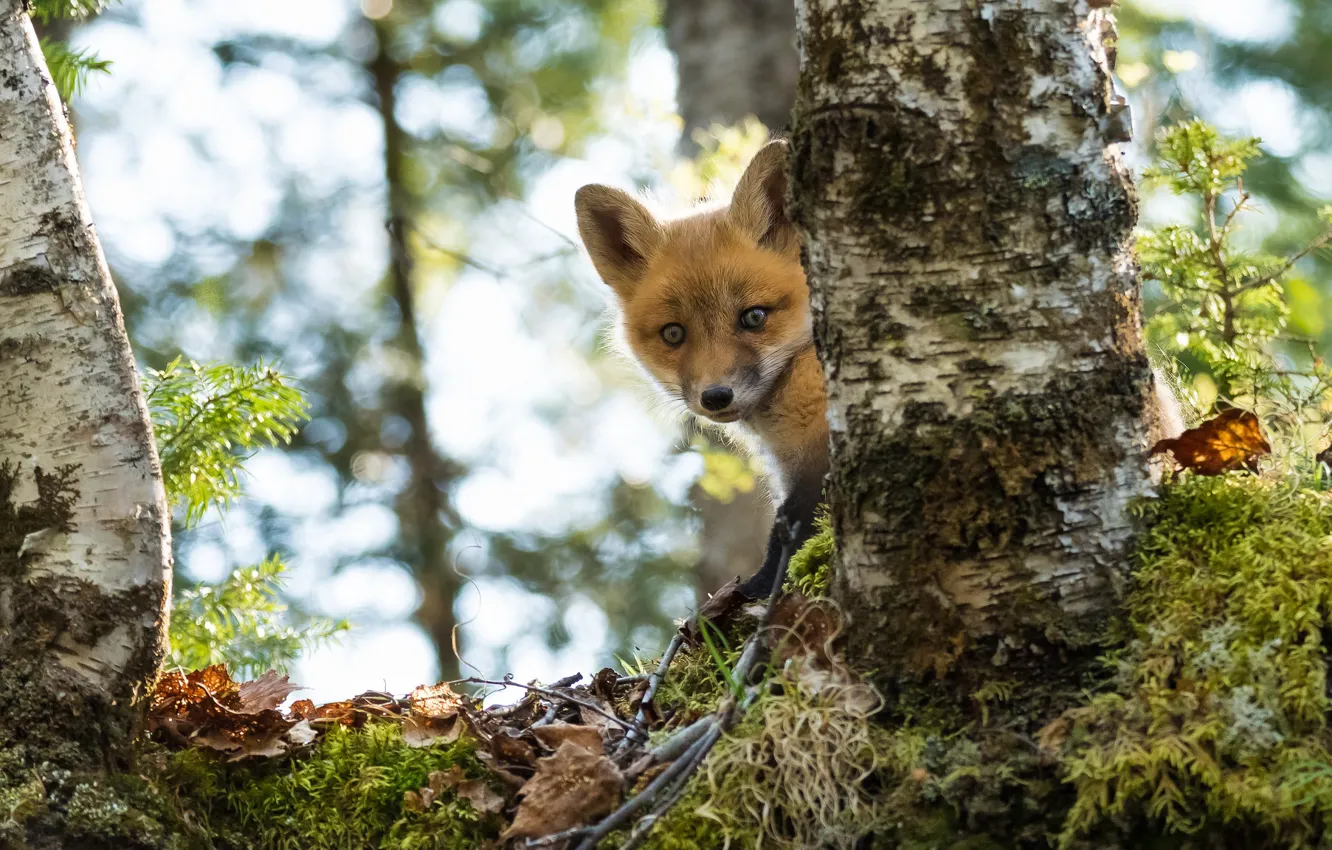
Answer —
1224 320
69 66
242 623
209 418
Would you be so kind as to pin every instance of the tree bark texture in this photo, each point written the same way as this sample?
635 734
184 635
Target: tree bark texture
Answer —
85 548
734 58
978 316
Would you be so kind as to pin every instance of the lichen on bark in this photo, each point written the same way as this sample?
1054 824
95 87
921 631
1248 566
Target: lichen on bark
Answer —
978 317
85 551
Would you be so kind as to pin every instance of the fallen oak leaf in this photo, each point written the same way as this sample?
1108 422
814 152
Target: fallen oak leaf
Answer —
571 788
1233 439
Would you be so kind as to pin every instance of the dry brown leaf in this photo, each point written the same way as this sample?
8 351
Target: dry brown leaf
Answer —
302 709
603 684
805 627
302 733
509 747
571 788
265 693
552 735
482 797
1231 440
717 610
424 731
435 701
492 764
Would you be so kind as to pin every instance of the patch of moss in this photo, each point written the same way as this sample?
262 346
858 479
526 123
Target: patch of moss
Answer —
348 792
810 568
100 811
1217 723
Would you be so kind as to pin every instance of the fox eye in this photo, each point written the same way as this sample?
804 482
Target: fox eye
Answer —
673 334
753 318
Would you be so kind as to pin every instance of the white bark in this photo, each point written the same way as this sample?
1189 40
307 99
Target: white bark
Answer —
967 218
69 398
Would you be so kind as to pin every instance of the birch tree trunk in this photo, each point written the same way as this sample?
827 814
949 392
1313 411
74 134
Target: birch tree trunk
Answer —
977 311
85 551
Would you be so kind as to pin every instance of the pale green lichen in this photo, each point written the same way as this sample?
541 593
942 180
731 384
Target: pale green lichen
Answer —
1218 718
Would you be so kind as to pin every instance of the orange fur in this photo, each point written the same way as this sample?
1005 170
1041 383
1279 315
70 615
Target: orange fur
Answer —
702 273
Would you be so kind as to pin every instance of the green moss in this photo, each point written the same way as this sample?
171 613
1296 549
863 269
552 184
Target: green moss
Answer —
811 567
19 803
1218 721
100 811
347 793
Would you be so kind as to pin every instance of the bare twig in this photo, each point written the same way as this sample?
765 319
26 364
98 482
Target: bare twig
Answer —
669 786
638 733
556 837
549 694
672 748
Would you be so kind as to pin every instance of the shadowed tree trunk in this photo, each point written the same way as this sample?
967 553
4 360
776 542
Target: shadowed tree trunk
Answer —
978 316
427 518
734 58
85 550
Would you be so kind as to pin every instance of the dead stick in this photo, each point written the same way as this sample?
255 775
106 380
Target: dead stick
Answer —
638 733
725 716
509 683
621 815
672 748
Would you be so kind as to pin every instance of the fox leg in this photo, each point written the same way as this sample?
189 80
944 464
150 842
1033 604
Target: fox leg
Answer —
795 515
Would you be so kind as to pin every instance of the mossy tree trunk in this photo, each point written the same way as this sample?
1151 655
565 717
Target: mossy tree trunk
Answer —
85 550
978 315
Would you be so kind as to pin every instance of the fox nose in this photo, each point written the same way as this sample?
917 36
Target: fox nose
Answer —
716 398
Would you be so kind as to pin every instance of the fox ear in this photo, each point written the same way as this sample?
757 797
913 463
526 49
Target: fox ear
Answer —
619 233
759 204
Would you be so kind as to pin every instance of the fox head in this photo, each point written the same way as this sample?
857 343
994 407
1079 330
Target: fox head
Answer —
714 306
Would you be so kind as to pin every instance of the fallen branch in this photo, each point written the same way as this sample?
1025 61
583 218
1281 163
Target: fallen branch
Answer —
508 682
669 786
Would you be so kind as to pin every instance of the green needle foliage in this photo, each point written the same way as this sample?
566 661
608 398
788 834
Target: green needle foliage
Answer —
242 623
45 11
208 418
1225 315
70 67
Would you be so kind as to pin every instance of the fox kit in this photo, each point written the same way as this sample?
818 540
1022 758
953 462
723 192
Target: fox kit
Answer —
715 308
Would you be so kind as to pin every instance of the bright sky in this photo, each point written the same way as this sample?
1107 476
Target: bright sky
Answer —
169 135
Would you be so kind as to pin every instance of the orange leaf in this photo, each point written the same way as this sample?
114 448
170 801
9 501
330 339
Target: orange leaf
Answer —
1231 440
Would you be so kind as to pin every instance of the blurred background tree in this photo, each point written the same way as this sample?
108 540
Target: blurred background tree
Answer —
376 193
1264 69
